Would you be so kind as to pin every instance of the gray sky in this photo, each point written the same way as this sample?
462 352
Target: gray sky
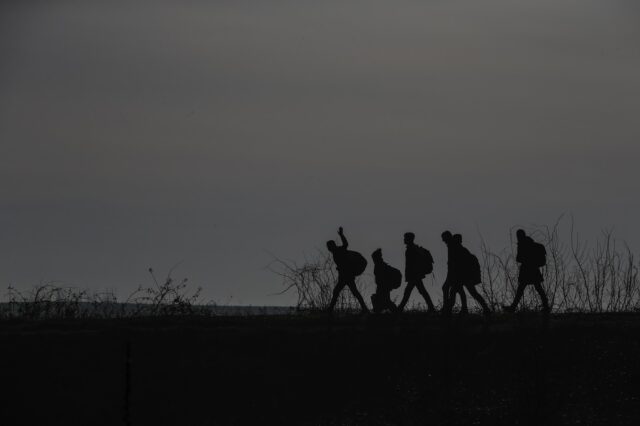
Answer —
144 133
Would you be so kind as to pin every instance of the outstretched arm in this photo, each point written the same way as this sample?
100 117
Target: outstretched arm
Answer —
345 243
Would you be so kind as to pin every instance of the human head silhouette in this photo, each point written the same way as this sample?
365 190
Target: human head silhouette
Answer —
409 237
457 239
520 234
377 255
331 245
446 237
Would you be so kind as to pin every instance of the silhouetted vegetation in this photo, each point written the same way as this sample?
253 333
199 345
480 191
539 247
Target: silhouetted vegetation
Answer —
56 301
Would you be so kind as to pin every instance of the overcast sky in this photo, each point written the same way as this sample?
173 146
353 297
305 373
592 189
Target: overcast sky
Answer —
145 133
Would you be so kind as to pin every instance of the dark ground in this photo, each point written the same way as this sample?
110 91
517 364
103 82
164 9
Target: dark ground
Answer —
352 370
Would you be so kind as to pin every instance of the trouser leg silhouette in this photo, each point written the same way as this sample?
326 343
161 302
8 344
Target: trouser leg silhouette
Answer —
336 293
358 296
342 283
382 302
539 290
478 297
543 296
375 304
453 290
519 294
423 291
448 296
463 300
449 292
405 297
446 289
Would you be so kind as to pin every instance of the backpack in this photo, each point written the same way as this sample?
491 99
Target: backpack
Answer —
475 274
538 254
393 277
426 261
356 263
468 267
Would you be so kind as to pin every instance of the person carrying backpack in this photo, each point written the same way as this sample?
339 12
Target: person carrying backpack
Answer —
387 278
532 256
349 264
451 284
468 276
418 264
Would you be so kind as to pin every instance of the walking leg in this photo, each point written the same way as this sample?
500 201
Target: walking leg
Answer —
358 296
392 306
425 295
375 304
463 300
336 293
449 296
445 296
543 297
405 297
516 300
478 297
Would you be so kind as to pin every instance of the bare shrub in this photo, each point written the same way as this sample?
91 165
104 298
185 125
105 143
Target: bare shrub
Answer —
168 297
46 300
52 300
605 276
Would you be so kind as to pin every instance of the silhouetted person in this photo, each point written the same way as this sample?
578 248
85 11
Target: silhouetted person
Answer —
349 264
451 284
467 275
531 256
418 263
471 274
387 278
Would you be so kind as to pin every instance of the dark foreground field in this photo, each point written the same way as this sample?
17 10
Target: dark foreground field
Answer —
351 370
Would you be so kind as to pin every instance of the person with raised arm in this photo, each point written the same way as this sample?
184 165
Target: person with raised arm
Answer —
349 264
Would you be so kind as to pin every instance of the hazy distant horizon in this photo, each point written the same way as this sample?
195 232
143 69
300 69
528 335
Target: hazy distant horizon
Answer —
147 133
